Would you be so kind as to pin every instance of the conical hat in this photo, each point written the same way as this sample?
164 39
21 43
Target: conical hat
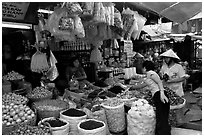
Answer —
138 55
170 53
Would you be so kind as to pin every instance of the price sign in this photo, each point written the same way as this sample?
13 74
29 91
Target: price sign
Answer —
14 10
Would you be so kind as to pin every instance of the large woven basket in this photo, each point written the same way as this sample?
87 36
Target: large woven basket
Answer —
44 112
7 129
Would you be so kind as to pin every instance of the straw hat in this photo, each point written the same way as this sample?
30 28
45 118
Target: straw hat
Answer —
170 53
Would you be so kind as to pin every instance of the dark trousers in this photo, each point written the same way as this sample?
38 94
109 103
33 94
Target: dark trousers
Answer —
162 115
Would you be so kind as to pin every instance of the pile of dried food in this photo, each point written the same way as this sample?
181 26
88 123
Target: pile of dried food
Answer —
13 98
39 93
13 76
31 130
174 99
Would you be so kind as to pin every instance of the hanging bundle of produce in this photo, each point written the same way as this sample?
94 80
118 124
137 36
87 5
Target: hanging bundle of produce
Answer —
117 19
141 118
88 8
73 8
39 62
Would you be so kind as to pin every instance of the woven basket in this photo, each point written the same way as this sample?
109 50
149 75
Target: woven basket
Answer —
179 106
45 113
7 129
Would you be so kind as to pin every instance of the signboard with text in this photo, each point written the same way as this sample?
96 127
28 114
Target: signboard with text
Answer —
14 10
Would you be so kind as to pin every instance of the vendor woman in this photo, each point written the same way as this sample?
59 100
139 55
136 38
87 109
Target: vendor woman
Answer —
76 72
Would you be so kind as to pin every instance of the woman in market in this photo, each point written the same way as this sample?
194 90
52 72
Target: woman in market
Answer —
174 76
76 72
159 96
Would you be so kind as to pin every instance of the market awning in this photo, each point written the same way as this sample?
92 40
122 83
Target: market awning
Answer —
175 11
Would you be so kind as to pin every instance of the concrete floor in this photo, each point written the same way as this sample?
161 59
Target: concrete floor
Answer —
193 114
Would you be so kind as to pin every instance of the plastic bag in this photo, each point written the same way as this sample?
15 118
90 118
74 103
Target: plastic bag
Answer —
96 13
52 73
90 31
140 23
79 28
54 21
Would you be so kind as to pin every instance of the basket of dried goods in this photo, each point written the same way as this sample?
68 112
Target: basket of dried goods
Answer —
115 114
57 126
176 102
31 130
39 93
49 108
14 78
14 115
9 98
73 116
141 118
91 127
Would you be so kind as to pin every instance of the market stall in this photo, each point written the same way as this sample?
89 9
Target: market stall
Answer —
54 96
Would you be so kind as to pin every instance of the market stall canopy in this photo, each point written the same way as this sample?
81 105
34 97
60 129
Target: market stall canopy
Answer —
175 11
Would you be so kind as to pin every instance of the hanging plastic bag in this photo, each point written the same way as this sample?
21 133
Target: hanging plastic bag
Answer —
96 12
52 73
79 28
39 62
140 23
90 31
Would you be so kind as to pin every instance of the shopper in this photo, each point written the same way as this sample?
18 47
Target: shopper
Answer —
159 96
175 76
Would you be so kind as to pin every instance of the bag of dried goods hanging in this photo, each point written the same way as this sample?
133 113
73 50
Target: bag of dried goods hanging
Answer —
115 114
73 8
79 28
141 118
128 21
61 25
91 31
39 62
140 23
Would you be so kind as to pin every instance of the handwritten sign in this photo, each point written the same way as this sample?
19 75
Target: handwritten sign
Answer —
14 10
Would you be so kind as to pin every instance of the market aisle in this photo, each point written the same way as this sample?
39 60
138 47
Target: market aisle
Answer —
193 111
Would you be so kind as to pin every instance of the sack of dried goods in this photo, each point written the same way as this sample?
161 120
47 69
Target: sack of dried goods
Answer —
57 126
141 118
31 130
98 113
14 115
73 116
91 127
115 114
14 98
38 94
127 97
49 108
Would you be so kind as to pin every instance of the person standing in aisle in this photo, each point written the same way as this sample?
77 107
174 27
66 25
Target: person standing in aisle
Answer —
175 76
159 96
